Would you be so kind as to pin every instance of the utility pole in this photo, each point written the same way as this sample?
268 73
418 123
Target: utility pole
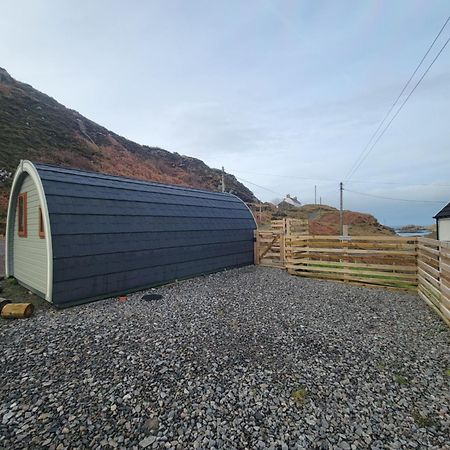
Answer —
223 179
341 209
320 201
315 194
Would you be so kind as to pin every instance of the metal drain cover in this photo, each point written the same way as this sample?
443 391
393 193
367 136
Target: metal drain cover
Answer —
151 297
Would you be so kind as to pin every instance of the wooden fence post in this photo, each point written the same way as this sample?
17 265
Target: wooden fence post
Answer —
256 247
283 250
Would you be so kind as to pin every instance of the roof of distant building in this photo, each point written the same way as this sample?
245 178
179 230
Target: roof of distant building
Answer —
444 212
291 201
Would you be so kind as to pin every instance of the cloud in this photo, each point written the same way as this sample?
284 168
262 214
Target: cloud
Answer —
285 95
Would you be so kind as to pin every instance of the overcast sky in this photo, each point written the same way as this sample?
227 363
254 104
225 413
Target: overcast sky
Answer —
284 94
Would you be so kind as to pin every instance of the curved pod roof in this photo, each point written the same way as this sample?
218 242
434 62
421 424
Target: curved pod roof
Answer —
111 235
27 168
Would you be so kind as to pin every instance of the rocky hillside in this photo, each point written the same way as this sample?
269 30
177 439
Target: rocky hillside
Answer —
34 126
324 219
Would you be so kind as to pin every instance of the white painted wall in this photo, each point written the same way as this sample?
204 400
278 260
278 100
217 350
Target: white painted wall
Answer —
29 254
444 229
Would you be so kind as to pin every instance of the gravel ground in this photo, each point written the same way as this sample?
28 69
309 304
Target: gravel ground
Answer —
248 358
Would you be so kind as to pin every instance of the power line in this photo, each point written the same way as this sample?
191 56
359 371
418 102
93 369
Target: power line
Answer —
328 180
261 187
401 107
363 155
396 199
399 96
289 176
400 184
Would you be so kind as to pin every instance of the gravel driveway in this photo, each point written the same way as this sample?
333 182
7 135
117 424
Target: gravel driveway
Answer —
249 358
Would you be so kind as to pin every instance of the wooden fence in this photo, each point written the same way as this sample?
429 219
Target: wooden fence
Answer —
409 263
290 226
269 248
385 261
433 270
270 244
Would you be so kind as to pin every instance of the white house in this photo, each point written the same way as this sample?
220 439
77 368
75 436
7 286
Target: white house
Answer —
443 223
291 201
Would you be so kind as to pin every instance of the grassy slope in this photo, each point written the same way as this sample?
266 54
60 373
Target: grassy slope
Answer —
324 220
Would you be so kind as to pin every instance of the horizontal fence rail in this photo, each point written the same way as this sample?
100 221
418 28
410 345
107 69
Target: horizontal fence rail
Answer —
409 263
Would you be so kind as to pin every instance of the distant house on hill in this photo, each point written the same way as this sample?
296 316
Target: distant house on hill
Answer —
443 223
289 202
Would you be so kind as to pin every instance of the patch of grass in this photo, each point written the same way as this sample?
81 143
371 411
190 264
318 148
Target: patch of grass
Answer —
422 421
299 395
12 290
400 379
447 372
381 366
11 281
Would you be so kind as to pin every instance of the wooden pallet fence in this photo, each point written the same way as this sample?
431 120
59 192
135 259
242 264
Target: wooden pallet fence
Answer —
290 226
269 248
373 260
433 267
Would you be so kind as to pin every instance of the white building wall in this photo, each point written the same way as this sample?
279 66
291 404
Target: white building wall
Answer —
29 254
444 229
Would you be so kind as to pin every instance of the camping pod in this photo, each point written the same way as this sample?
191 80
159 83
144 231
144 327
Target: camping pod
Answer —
74 236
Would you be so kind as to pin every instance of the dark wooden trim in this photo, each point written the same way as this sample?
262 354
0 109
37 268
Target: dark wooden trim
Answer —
41 224
24 231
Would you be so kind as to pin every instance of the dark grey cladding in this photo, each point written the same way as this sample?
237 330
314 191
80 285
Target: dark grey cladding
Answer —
444 213
113 235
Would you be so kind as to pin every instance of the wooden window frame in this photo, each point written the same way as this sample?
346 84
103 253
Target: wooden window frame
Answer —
41 224
22 231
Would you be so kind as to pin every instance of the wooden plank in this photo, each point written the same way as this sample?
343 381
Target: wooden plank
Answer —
429 269
256 247
445 291
360 246
429 241
428 276
359 274
403 283
308 259
356 245
274 265
365 238
361 252
376 281
261 256
410 268
428 249
430 286
429 294
282 249
432 258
